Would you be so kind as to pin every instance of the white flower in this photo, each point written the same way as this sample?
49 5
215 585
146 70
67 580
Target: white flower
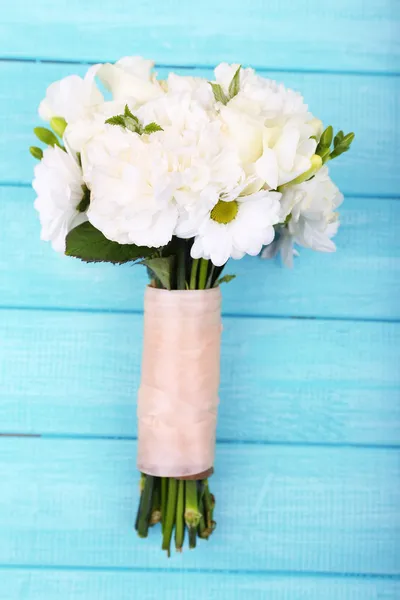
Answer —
131 195
72 98
58 185
310 211
237 227
130 80
78 133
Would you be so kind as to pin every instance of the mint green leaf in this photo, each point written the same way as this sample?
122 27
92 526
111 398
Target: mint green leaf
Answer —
117 120
224 279
133 125
90 245
36 152
338 138
58 125
46 136
162 269
152 128
128 113
234 85
218 92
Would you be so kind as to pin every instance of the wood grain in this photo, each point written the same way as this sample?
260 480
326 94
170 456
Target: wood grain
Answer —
73 502
359 35
286 381
28 584
361 280
353 103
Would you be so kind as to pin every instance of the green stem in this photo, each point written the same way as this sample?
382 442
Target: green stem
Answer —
171 512
180 523
192 514
192 537
156 503
193 273
210 279
181 266
145 507
164 493
209 503
203 273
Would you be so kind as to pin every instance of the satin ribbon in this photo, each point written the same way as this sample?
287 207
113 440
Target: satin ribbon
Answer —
178 395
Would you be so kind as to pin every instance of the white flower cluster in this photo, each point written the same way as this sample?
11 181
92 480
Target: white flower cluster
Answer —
193 159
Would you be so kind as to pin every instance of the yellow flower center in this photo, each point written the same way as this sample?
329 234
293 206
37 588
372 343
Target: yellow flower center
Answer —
224 212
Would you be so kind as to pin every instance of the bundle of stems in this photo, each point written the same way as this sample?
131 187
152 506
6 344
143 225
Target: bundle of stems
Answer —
185 506
178 504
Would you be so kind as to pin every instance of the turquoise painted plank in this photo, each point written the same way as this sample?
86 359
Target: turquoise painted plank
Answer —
358 35
26 584
361 280
285 381
73 502
364 104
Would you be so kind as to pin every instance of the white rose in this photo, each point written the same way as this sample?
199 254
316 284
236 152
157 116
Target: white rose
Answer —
130 78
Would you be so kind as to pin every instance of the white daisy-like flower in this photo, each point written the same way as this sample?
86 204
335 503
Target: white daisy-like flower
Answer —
237 227
131 80
309 210
131 193
72 98
58 185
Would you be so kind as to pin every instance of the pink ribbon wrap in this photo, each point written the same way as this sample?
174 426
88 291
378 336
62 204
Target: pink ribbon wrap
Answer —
178 395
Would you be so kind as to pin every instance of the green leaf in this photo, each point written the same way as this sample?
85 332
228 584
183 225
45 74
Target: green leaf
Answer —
338 138
117 120
324 153
46 136
128 113
234 85
36 152
162 269
218 92
90 245
58 125
347 140
85 202
224 279
152 128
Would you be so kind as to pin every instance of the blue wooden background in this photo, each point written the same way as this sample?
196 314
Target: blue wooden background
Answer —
308 455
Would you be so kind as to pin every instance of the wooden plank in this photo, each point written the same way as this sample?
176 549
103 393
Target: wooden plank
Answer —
28 584
361 35
285 381
73 502
361 280
362 104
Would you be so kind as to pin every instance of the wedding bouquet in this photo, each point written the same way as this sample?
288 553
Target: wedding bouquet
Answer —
181 175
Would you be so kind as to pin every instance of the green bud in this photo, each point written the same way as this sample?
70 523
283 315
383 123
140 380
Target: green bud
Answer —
338 138
324 154
58 125
36 152
348 138
46 136
327 137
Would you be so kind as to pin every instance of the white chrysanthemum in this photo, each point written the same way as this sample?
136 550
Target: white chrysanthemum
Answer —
310 211
131 195
237 227
58 185
202 163
72 98
80 132
131 80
